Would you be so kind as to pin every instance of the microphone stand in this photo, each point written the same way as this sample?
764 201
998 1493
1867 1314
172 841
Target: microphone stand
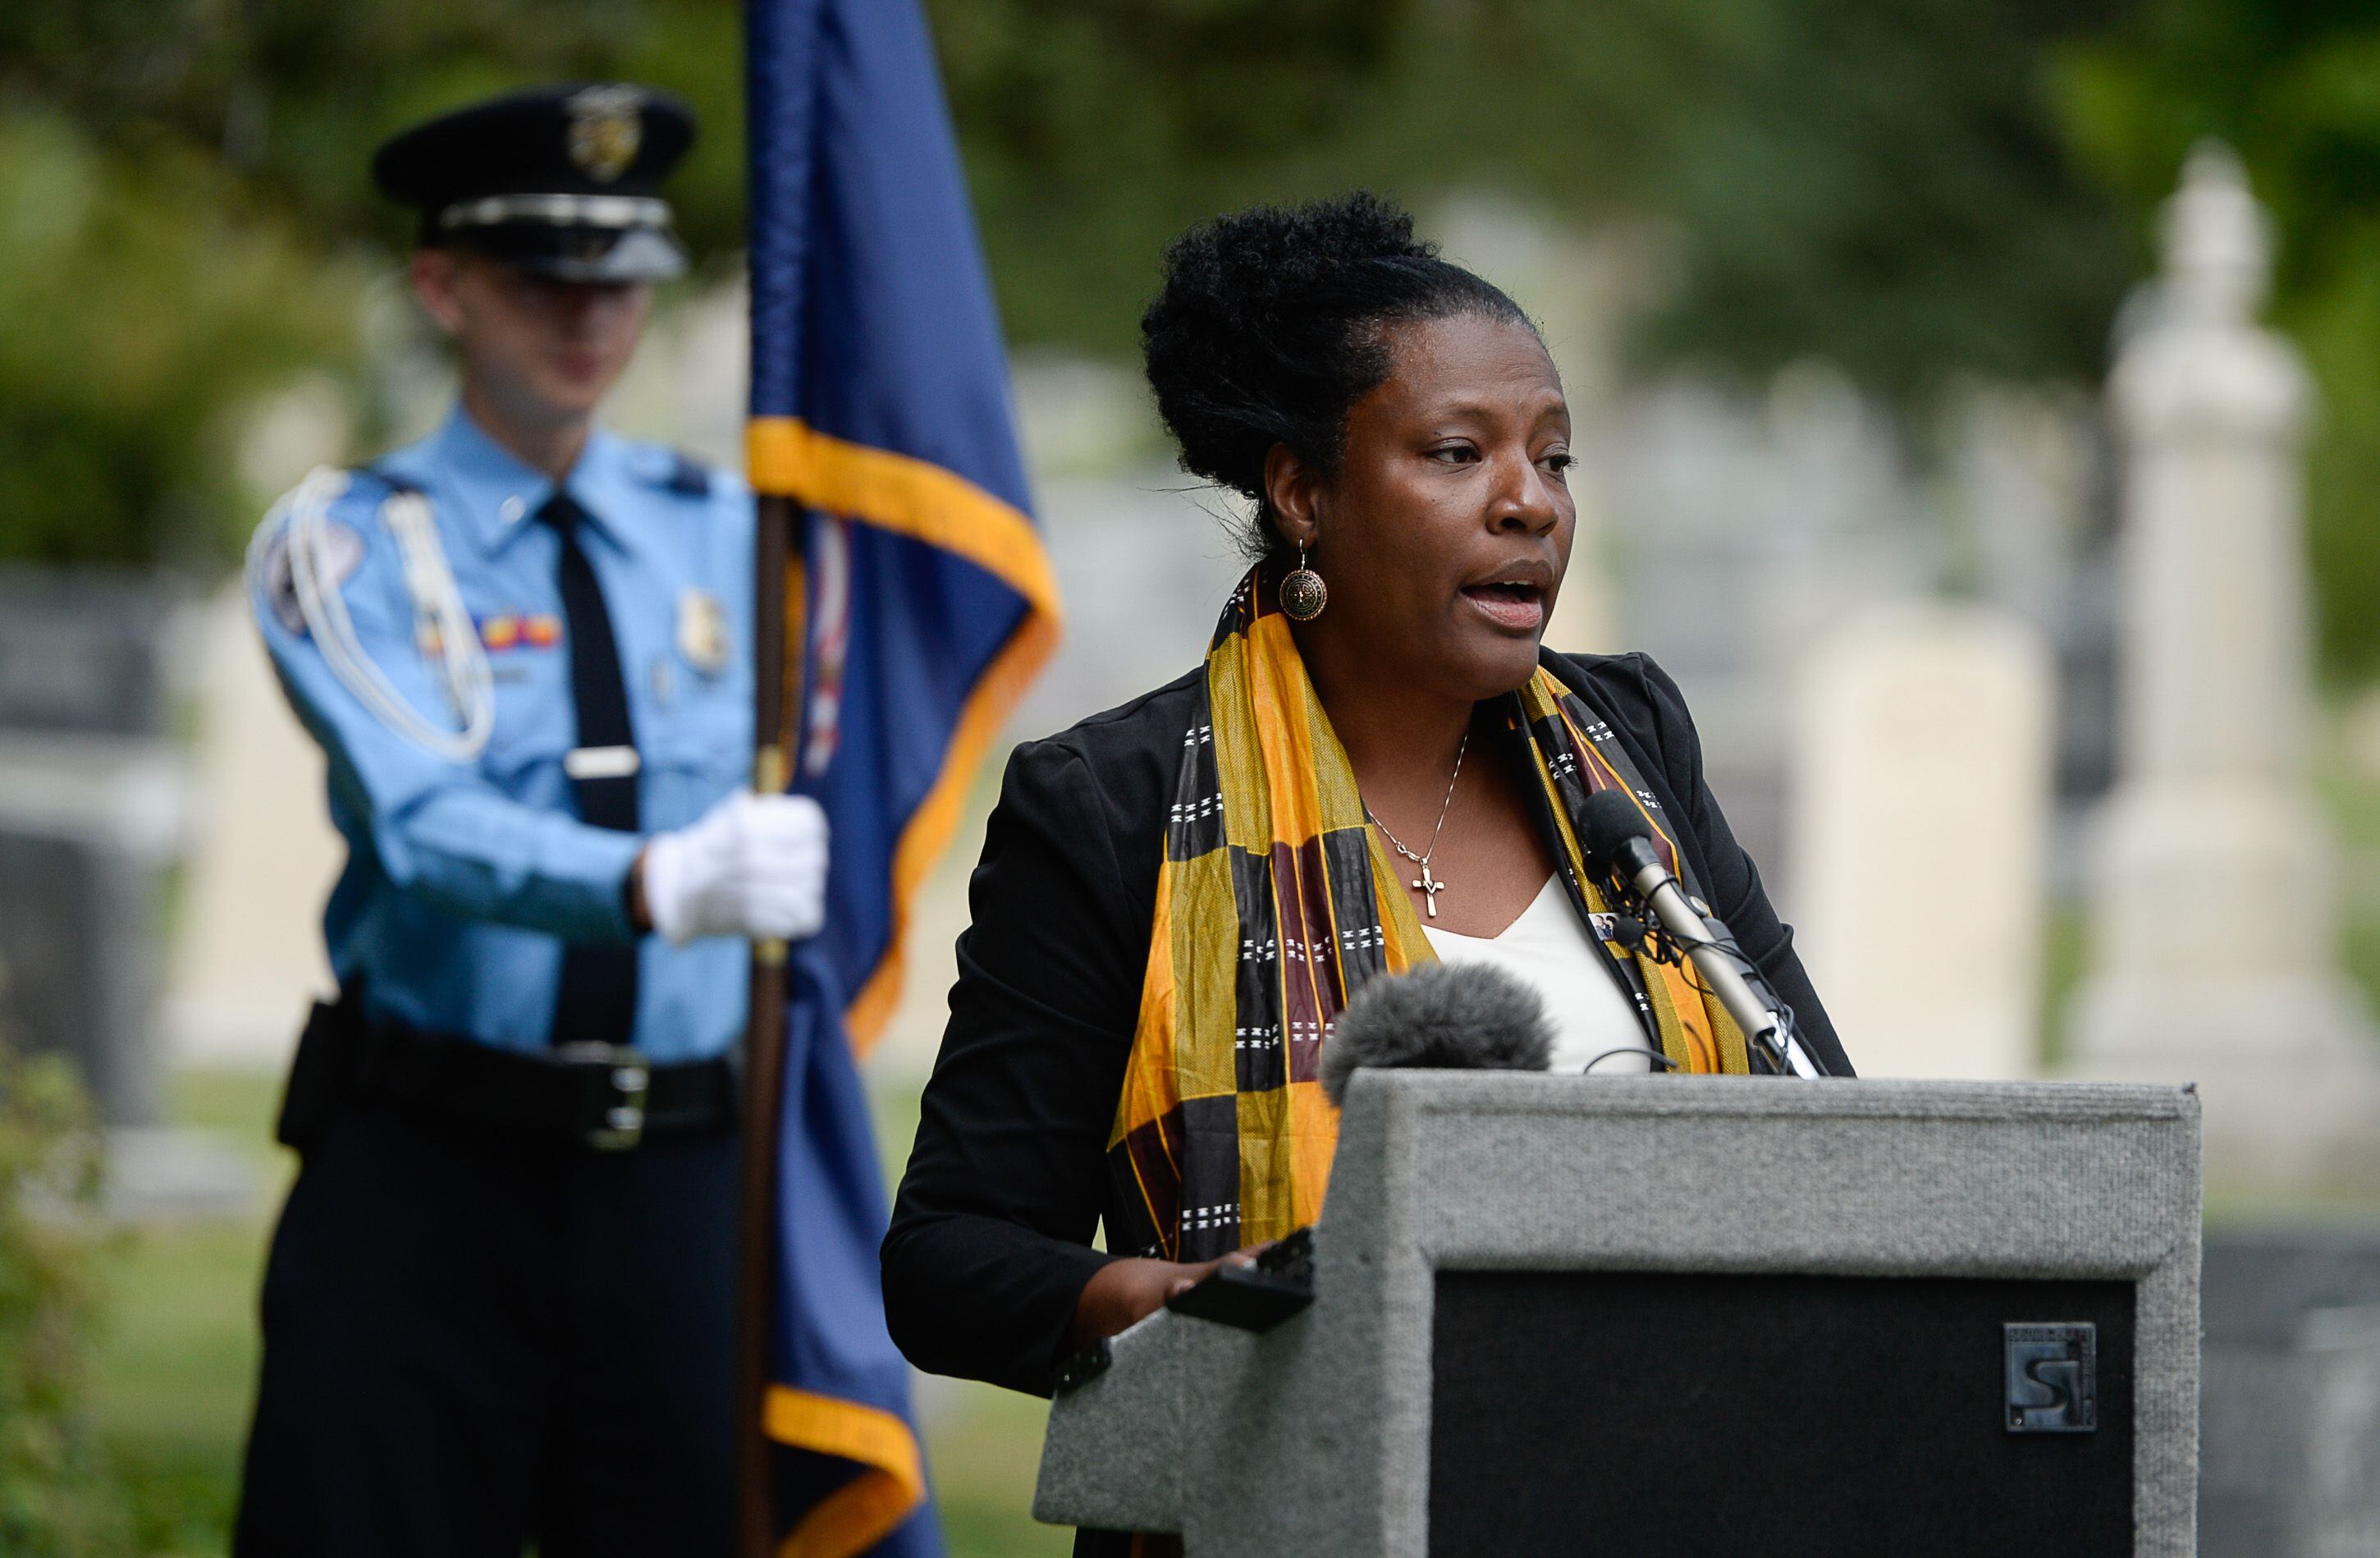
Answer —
1766 1019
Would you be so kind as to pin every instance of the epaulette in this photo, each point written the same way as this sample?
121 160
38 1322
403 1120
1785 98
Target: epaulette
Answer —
395 482
688 477
275 517
673 470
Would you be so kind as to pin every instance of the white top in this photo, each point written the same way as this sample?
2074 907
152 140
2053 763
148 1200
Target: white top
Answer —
1548 949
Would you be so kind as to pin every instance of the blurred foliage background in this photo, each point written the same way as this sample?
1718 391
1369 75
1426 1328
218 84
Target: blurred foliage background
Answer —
1919 190
55 1484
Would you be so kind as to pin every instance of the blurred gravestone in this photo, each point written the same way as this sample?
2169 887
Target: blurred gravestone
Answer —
1741 532
2342 1497
1920 796
75 971
89 810
2289 1395
80 654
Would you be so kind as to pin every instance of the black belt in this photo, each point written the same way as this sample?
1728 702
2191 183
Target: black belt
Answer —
607 1097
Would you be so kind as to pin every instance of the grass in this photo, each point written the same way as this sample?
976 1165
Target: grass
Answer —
176 1367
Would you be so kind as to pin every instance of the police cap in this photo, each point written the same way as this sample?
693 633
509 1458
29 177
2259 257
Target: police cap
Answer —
562 180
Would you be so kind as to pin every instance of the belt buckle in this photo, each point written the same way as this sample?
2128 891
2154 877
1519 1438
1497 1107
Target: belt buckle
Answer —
628 1078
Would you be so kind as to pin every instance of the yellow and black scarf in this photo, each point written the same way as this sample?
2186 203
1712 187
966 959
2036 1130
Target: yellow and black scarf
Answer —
1274 903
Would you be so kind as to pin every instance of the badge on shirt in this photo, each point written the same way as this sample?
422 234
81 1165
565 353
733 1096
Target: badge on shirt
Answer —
702 631
337 555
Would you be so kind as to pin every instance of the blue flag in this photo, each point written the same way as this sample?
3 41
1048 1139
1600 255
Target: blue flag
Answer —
921 605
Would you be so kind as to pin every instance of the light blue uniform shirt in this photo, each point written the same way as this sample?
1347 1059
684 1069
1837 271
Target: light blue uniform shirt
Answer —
463 880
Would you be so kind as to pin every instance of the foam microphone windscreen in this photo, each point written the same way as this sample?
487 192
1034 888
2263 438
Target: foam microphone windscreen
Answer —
1459 1016
1608 824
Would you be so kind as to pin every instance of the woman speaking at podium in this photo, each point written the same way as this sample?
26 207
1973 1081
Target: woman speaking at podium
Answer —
1376 765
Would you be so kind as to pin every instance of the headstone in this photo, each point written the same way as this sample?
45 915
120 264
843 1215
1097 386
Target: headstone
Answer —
78 924
2341 1506
2214 946
2289 1394
2027 483
248 953
1741 530
89 816
1919 808
81 654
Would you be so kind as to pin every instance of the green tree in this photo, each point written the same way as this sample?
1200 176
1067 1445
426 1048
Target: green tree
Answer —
1878 182
1094 132
145 303
185 223
1882 182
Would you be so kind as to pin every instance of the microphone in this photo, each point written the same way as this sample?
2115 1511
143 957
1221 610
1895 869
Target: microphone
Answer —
1614 837
1454 1016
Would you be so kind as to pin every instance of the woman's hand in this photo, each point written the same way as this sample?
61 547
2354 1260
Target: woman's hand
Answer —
1124 1292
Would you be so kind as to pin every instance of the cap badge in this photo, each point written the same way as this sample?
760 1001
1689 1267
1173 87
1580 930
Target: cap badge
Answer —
607 126
702 631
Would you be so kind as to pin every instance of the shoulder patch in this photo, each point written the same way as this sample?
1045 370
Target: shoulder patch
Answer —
341 503
339 553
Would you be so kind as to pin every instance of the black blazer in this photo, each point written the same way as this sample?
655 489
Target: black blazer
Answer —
990 1240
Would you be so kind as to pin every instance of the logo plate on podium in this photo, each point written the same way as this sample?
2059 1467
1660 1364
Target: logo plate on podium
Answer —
2052 1377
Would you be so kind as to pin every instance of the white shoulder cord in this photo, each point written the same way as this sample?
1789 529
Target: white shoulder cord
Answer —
440 619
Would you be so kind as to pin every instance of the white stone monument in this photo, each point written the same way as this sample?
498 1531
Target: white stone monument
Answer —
2214 937
1918 815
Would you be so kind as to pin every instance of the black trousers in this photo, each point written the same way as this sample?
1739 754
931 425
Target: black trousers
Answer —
471 1344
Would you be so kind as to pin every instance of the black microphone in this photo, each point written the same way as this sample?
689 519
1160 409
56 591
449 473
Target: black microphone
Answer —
1455 1016
1616 840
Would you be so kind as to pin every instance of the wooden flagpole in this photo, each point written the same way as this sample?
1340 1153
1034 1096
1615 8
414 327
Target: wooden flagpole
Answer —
764 1047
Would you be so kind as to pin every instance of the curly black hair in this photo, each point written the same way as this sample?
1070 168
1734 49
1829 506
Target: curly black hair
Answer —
1274 321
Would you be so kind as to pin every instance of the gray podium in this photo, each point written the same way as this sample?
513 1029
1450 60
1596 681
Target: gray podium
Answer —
1687 1316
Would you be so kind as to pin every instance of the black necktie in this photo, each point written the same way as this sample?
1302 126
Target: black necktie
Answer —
597 997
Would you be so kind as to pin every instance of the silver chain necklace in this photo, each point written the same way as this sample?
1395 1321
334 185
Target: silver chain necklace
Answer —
1428 886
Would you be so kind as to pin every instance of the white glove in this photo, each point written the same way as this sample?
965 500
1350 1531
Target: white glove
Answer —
752 866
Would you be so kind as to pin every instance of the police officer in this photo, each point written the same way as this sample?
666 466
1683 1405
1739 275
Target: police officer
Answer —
499 1304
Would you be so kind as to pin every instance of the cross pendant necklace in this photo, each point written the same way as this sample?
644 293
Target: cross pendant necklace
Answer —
1427 885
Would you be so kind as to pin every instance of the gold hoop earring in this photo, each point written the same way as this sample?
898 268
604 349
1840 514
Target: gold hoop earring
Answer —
1303 593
